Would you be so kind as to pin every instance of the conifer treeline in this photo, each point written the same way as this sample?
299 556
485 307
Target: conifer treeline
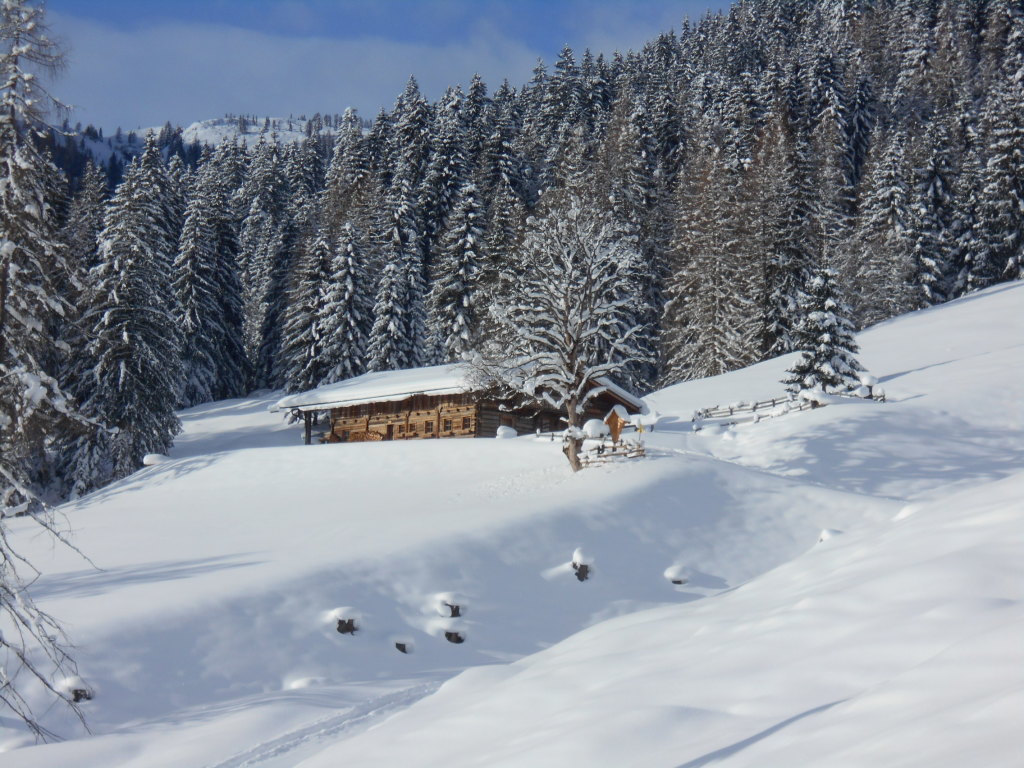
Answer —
744 155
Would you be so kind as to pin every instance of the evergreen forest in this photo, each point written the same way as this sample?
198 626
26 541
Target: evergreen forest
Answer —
731 168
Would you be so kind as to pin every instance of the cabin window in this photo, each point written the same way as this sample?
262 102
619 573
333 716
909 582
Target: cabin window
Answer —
344 434
466 422
401 428
428 427
447 425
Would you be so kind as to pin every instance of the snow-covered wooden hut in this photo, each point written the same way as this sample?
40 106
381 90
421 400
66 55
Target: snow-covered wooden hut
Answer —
439 401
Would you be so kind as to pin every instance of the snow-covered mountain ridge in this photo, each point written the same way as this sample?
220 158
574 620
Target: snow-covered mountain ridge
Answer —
207 634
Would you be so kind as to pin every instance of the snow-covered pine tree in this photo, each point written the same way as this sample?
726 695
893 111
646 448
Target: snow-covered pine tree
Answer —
445 171
303 338
825 339
879 282
781 204
166 195
263 195
33 646
711 321
498 161
1001 212
347 308
33 277
302 172
85 218
83 451
931 233
226 176
452 307
348 174
199 307
478 121
498 278
397 336
135 342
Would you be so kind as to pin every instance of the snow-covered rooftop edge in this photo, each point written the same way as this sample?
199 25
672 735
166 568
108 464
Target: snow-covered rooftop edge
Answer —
387 386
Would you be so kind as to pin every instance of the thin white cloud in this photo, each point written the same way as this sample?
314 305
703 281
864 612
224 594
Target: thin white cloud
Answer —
148 72
187 72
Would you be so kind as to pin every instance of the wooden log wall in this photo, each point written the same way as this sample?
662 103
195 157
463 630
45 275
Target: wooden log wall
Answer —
415 418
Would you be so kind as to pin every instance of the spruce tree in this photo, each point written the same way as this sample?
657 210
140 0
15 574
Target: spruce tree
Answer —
198 300
346 311
135 342
261 251
303 337
398 333
34 290
825 339
452 302
931 233
33 409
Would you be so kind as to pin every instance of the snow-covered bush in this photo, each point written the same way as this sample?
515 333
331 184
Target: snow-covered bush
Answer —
677 574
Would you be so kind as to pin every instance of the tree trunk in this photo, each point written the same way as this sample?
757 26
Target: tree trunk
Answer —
573 443
4 269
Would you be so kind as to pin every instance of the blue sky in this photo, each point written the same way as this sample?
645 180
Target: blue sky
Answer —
140 62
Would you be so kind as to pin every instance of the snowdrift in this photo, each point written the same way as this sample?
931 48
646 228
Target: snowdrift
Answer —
209 630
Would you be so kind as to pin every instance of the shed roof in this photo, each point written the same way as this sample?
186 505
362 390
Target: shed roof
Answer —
387 386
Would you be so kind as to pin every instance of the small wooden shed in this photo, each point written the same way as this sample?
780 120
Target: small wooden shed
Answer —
434 402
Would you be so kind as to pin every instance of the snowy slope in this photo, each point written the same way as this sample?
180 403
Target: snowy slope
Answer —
209 638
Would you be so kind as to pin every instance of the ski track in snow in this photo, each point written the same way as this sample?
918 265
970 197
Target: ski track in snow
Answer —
351 720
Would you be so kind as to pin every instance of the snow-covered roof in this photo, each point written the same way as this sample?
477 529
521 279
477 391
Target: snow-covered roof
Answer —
383 386
387 386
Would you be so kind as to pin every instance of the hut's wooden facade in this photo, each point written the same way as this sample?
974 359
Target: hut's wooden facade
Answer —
428 416
429 403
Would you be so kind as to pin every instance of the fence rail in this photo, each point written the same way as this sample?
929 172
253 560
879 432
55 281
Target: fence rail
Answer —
722 411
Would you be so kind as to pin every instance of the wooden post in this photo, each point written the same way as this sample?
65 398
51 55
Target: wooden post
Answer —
308 416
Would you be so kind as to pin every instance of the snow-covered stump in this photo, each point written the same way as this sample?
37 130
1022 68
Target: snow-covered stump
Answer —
449 605
345 620
828 533
450 610
582 565
76 689
677 574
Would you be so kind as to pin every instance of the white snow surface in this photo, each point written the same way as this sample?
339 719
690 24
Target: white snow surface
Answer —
382 386
387 386
204 628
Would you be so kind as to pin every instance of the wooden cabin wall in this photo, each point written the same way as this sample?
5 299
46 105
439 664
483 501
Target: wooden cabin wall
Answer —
492 417
427 416
415 418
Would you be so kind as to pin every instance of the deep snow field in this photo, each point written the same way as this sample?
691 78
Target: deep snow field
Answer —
207 627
